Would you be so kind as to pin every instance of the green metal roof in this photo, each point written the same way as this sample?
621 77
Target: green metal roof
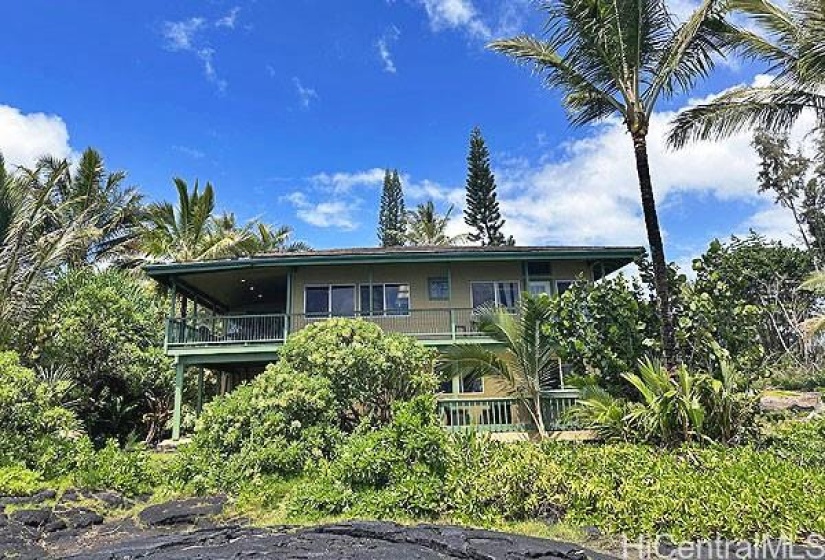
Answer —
616 256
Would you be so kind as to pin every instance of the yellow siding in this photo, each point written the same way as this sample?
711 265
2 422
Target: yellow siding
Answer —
461 276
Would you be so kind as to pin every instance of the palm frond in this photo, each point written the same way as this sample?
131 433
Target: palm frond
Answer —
770 108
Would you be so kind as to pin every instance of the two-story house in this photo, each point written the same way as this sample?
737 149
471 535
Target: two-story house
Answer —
238 312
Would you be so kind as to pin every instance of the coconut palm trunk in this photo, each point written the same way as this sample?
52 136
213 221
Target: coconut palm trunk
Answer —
618 58
657 251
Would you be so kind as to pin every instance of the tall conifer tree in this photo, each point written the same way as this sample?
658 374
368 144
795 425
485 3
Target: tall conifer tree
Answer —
482 211
392 217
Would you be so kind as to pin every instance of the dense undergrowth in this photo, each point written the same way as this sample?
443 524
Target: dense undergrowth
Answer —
359 438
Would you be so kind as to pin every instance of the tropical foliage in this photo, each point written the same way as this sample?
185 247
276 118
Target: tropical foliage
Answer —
622 58
426 227
52 217
790 40
102 332
528 362
683 407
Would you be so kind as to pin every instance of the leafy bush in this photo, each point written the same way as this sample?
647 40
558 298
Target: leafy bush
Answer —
274 425
128 471
635 490
104 331
32 427
397 469
800 443
367 369
490 480
604 329
675 407
19 481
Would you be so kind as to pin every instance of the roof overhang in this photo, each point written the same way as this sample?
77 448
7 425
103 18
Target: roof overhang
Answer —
604 260
623 255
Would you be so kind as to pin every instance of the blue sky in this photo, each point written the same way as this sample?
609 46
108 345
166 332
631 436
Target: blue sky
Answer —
292 109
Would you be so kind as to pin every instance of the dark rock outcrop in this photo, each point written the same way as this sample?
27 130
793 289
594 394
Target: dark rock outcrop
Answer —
181 512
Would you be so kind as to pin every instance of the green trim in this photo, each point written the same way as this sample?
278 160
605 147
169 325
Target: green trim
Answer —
159 271
176 413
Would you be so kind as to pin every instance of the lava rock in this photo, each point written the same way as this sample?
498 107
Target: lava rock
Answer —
81 518
44 495
71 495
179 512
55 524
32 517
110 499
354 541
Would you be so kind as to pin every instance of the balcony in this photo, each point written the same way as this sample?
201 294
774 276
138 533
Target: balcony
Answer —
224 330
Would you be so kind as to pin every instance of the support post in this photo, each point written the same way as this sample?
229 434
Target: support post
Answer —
170 321
288 317
176 413
199 404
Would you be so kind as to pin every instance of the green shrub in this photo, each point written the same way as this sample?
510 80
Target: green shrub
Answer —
19 481
104 331
490 481
674 408
274 425
367 369
635 490
398 469
800 443
32 427
129 471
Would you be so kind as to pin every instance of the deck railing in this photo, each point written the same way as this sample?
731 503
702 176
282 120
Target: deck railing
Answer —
430 324
227 329
506 414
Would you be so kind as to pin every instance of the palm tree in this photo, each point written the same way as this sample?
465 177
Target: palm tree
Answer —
36 242
91 196
528 361
620 57
267 238
793 43
189 231
426 227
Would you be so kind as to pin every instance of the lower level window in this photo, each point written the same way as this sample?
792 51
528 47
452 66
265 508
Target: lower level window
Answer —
471 384
563 285
385 299
336 301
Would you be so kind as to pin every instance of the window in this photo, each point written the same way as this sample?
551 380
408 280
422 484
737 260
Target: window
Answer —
471 384
445 386
336 301
439 288
385 299
563 285
500 294
539 268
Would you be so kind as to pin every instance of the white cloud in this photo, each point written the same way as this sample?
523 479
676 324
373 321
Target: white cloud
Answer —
383 46
191 152
24 137
326 214
455 14
187 36
229 19
180 35
496 19
305 94
774 222
342 181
